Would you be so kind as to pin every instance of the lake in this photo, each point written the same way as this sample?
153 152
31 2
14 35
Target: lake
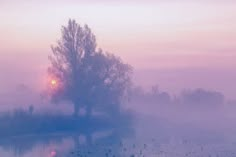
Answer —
119 142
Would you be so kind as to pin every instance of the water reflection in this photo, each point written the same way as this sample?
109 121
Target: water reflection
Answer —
113 142
65 144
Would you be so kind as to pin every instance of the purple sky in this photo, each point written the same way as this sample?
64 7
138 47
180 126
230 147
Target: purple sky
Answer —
175 43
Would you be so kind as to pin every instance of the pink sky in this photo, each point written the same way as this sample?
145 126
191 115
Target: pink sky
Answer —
174 39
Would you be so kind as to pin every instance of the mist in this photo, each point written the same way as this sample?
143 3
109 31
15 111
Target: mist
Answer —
194 115
117 79
203 107
190 111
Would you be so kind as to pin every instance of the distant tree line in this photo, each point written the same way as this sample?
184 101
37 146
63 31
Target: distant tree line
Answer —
196 97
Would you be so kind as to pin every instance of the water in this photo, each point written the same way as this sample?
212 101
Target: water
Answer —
65 144
143 139
112 143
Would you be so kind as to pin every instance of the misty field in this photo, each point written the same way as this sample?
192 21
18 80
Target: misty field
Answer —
108 78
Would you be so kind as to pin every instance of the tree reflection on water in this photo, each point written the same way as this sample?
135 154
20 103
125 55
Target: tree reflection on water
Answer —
68 143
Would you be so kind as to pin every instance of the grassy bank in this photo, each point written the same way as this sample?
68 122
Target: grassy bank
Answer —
19 124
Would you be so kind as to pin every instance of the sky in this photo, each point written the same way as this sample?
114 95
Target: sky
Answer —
176 44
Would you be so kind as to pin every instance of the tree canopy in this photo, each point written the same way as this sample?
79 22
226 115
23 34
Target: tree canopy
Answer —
85 75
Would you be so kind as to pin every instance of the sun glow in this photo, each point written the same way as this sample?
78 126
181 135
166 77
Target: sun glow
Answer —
53 82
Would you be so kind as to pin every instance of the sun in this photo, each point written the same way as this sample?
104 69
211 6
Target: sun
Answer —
53 82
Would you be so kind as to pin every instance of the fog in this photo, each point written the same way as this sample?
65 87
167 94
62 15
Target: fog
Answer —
190 111
194 114
189 116
143 78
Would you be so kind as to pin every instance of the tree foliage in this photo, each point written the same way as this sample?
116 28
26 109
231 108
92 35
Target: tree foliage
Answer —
86 76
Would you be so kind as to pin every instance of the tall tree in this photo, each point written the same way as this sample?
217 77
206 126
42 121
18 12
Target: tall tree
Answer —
84 75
